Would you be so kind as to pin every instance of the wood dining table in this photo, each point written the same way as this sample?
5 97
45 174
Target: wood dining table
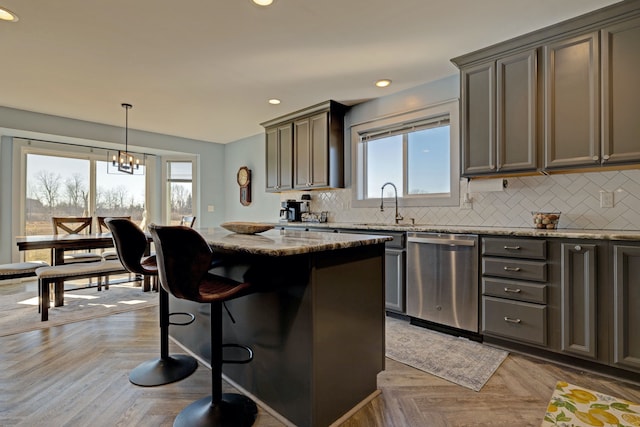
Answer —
60 243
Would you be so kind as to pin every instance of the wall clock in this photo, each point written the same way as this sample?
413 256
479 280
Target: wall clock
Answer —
244 181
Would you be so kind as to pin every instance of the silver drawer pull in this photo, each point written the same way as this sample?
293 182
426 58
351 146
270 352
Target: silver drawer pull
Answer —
512 248
510 320
511 268
515 291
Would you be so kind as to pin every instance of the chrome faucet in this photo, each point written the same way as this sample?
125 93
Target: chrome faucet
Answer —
395 190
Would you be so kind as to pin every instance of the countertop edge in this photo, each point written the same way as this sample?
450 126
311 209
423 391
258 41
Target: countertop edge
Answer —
628 235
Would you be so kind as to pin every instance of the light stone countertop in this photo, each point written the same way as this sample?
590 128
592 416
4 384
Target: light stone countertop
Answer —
628 235
278 242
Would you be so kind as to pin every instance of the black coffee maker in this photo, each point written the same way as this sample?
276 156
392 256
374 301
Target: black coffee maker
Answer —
291 211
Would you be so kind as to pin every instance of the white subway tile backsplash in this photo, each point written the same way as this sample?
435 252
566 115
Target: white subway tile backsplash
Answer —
576 195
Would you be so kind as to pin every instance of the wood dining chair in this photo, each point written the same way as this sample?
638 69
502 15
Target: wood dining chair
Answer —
75 225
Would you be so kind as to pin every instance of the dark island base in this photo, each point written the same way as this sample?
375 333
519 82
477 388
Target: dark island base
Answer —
317 331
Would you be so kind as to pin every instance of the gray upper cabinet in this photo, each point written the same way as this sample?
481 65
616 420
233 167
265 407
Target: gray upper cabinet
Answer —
517 86
499 115
561 98
478 120
621 92
279 143
311 142
317 149
572 102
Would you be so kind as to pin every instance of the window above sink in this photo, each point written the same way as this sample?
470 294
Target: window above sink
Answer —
417 151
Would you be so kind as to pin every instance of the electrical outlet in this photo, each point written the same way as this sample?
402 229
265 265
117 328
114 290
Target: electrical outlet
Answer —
606 199
210 208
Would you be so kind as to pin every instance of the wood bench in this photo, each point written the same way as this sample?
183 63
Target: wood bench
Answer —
20 269
57 274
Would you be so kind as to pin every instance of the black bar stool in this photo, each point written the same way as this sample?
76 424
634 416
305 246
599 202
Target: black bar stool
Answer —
184 259
131 243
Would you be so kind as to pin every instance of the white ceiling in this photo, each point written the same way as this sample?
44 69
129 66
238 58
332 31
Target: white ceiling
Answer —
204 69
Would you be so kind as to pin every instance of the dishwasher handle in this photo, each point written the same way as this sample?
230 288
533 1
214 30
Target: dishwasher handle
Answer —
439 241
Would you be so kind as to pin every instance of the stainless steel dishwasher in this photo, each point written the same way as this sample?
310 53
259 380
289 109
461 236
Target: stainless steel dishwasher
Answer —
442 279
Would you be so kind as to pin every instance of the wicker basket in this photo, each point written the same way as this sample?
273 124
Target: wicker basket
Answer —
546 220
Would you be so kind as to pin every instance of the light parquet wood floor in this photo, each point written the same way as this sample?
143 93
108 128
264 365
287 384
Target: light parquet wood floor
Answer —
77 375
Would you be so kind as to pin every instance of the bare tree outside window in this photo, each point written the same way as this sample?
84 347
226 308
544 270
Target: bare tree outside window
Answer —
60 186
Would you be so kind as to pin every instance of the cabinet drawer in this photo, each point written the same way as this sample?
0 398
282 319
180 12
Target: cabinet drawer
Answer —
512 319
515 269
515 248
516 290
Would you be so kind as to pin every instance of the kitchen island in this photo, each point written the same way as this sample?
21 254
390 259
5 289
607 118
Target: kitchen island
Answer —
316 324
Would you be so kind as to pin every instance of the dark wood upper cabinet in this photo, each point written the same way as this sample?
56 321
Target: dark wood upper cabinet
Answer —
315 158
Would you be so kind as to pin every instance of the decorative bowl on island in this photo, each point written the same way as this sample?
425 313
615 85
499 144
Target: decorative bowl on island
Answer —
241 227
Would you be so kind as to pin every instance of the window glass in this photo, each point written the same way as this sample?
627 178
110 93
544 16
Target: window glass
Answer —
55 186
384 164
119 194
429 161
180 182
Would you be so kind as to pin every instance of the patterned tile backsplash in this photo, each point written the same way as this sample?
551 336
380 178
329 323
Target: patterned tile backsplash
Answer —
576 195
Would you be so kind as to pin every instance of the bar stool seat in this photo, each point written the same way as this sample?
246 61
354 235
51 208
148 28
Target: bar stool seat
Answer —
130 243
184 260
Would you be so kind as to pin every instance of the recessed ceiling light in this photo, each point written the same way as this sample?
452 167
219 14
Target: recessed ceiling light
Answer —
274 101
383 82
7 15
263 2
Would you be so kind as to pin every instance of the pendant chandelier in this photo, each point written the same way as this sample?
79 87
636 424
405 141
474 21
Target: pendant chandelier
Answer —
126 161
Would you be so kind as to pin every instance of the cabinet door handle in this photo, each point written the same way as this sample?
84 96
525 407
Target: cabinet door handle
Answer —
512 248
506 268
510 320
515 291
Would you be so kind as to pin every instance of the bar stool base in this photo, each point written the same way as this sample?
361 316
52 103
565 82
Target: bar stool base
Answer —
235 410
163 371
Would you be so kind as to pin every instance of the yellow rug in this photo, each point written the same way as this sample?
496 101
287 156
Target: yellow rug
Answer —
574 406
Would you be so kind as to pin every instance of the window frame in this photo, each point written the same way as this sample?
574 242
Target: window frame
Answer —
26 146
166 184
358 167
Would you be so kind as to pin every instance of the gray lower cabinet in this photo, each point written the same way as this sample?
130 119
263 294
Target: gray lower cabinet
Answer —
514 289
395 289
578 314
626 306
